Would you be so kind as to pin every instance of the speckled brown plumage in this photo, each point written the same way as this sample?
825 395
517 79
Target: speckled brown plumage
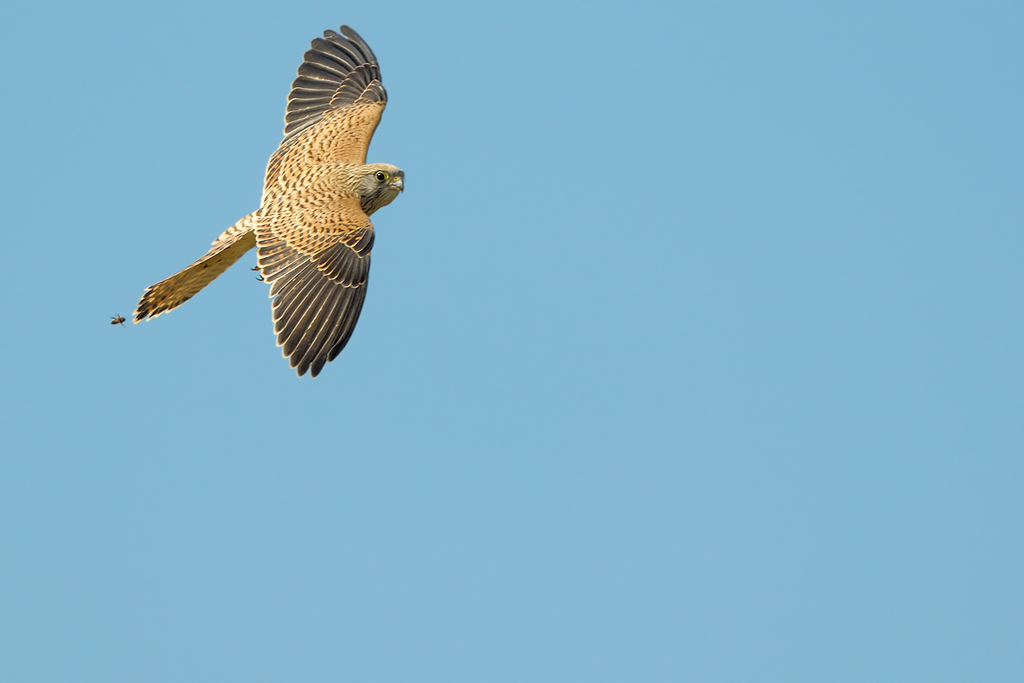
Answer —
312 231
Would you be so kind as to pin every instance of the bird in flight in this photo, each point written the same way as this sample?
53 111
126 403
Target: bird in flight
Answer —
312 232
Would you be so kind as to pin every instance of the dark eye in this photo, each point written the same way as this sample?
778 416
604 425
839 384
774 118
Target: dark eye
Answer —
381 176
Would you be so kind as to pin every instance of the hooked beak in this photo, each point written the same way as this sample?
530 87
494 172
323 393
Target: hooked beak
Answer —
399 182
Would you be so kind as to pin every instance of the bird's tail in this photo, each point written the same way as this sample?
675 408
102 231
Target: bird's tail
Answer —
168 294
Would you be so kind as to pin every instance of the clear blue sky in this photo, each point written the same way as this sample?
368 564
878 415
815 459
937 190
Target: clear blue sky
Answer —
694 350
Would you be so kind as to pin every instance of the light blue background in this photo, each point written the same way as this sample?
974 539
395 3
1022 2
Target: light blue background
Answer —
692 352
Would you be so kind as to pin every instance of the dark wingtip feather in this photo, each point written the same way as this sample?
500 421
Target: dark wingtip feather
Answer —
350 33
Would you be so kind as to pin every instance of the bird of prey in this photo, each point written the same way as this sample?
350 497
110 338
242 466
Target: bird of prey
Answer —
312 232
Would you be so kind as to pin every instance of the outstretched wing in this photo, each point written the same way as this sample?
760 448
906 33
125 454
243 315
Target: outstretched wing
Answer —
317 262
333 108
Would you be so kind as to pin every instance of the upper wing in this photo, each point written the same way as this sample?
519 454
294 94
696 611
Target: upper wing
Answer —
317 262
334 105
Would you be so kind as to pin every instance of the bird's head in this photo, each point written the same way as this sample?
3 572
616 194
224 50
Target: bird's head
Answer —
379 185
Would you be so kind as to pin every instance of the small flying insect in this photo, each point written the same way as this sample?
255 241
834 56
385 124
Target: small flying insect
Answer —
117 320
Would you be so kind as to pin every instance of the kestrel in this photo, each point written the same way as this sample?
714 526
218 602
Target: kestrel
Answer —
312 232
